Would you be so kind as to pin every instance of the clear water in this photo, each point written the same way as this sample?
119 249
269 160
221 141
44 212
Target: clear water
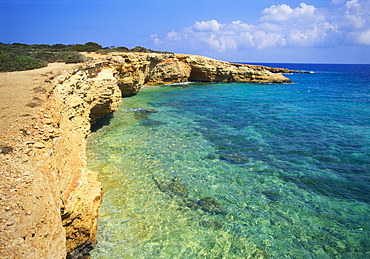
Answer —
239 170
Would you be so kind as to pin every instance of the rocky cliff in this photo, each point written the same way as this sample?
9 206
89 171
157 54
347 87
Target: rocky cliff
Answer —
66 195
80 97
138 69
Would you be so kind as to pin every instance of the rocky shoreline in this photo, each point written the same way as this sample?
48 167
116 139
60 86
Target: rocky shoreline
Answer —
50 200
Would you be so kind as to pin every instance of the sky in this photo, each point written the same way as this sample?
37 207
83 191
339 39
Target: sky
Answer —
275 31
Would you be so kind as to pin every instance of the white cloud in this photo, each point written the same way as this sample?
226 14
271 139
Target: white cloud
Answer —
209 26
280 26
362 37
283 12
355 14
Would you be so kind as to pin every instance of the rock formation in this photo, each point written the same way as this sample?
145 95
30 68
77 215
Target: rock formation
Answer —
73 100
138 69
79 97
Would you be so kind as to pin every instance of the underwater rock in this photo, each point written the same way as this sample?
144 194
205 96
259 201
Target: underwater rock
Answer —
192 204
150 123
211 205
142 115
175 187
178 188
207 204
272 195
234 158
212 224
142 110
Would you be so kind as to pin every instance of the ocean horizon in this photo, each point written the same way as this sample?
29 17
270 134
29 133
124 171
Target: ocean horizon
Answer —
238 170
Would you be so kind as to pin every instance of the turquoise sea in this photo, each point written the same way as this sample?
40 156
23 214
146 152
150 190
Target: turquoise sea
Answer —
210 170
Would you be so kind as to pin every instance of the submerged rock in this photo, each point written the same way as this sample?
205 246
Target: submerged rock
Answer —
213 224
235 158
150 123
142 110
272 195
192 204
178 188
211 205
175 187
142 115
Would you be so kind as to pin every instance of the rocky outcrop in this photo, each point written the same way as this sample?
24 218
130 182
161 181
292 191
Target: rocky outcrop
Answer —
79 97
59 196
210 70
64 195
138 69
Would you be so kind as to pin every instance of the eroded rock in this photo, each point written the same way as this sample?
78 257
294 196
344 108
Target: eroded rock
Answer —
135 70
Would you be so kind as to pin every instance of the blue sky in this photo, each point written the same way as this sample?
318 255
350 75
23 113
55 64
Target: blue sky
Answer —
322 31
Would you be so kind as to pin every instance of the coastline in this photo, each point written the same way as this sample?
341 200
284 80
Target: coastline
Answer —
51 199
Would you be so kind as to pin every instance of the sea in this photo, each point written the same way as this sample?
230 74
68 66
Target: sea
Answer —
238 170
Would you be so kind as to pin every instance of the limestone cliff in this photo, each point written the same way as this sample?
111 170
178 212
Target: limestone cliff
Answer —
65 194
60 196
138 69
78 98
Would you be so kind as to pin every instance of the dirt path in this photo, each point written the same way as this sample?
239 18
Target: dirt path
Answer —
22 96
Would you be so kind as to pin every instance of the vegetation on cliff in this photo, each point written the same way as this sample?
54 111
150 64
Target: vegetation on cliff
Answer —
19 56
13 62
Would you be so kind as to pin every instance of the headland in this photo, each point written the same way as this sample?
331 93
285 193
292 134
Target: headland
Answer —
50 200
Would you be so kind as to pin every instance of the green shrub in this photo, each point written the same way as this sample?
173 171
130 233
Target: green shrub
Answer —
65 56
121 49
13 62
61 47
93 44
88 47
19 56
105 51
48 57
83 48
73 57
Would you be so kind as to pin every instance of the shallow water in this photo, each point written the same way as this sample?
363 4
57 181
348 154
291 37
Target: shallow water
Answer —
239 170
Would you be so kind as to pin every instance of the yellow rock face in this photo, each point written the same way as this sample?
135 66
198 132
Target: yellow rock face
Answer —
139 69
